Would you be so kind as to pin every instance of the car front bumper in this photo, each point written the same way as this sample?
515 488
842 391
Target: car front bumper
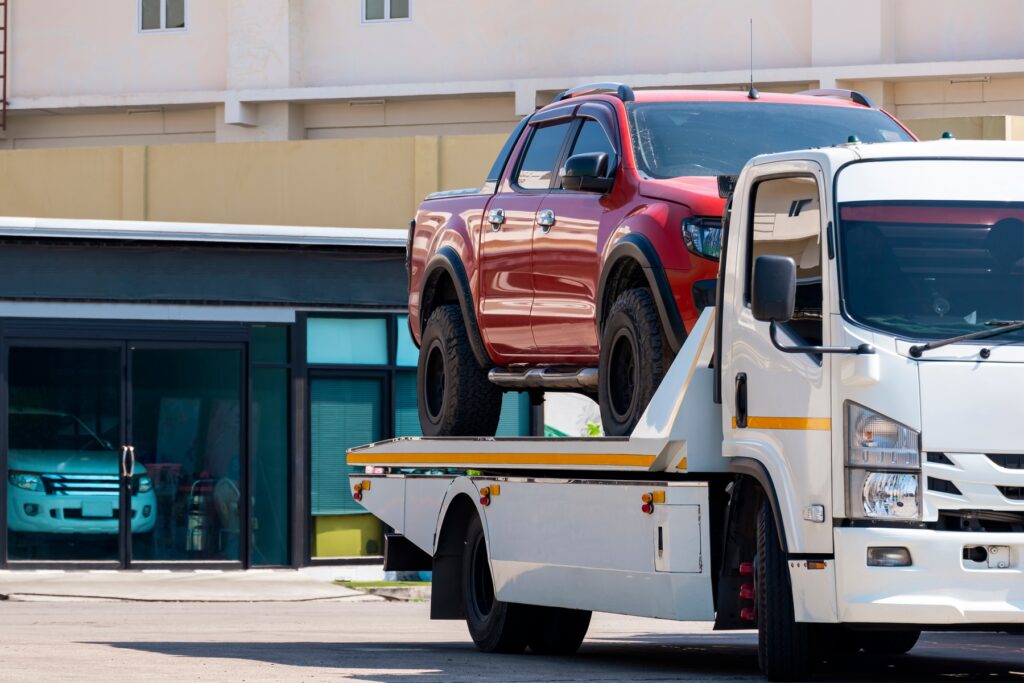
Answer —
38 512
939 588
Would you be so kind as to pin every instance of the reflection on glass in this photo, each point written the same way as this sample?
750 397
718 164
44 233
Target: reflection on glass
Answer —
186 429
150 15
64 430
175 14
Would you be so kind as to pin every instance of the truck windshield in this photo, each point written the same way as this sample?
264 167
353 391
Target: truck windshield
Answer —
933 269
45 431
672 139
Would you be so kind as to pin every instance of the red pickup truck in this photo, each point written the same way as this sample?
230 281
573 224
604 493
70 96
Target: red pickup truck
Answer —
591 248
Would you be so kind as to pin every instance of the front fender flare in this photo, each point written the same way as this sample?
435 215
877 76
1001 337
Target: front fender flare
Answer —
447 260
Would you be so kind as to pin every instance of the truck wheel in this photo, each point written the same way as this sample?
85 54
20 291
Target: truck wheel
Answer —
632 362
783 645
495 626
455 398
557 631
887 643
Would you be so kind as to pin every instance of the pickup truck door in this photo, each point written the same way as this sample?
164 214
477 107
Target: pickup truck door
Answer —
565 254
777 406
506 243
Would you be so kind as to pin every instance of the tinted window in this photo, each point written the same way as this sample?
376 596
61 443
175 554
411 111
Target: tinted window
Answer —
539 160
592 138
672 139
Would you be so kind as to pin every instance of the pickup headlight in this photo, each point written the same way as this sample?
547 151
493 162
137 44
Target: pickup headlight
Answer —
883 467
145 484
26 480
703 236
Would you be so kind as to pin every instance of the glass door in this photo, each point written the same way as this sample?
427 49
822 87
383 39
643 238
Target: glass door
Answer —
186 411
65 436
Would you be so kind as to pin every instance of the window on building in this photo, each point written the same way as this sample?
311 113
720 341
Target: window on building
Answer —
385 10
162 15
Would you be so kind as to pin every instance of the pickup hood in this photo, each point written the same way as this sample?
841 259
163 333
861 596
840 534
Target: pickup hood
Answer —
700 193
971 407
67 462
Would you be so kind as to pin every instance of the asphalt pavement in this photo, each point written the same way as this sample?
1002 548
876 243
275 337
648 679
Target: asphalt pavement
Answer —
342 639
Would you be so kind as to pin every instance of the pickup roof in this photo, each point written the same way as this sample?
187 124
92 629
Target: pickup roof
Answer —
592 248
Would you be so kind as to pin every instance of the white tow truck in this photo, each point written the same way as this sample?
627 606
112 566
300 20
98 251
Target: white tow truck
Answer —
836 455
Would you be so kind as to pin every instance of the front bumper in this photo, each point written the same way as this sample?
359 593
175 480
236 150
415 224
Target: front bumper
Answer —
938 589
72 514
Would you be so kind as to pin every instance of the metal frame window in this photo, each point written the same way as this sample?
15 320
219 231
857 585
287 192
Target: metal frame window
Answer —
378 11
169 10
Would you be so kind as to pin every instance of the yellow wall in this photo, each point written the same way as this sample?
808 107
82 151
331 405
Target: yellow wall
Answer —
347 536
360 183
364 183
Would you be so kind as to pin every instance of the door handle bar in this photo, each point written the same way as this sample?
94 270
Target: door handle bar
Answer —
546 219
496 217
127 461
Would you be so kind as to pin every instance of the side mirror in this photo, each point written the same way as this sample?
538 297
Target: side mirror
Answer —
773 292
590 172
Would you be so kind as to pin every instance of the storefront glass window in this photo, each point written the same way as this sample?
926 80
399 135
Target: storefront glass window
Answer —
270 344
270 479
347 341
407 355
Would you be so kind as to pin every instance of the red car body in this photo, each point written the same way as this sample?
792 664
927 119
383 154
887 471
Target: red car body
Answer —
538 297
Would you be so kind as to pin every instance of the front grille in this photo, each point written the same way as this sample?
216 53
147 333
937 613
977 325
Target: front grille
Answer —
80 484
989 521
1010 462
939 459
1012 492
943 486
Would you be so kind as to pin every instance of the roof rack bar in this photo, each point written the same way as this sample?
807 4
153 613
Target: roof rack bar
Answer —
621 90
852 95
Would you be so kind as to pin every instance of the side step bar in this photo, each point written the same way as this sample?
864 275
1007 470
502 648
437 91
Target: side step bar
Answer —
582 379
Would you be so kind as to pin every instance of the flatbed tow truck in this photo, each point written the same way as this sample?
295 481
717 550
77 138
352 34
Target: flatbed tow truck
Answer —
835 456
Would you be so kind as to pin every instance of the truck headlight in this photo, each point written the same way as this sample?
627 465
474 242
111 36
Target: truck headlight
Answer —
145 484
26 480
703 236
883 467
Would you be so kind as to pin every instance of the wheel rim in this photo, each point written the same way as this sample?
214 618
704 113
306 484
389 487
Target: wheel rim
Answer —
623 380
434 382
482 588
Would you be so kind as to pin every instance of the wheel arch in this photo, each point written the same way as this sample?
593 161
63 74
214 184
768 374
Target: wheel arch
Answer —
445 282
634 262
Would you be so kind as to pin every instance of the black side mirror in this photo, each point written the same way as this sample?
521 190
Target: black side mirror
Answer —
773 292
590 172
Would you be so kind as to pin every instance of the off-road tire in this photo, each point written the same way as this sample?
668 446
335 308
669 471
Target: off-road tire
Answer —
454 396
633 361
784 648
887 643
495 626
557 631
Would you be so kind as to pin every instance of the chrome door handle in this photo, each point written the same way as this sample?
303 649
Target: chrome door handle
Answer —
127 461
545 219
496 217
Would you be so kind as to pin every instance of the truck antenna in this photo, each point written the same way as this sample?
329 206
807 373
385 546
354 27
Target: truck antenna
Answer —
752 93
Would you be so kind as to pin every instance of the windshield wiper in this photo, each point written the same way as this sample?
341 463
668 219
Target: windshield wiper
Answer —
998 327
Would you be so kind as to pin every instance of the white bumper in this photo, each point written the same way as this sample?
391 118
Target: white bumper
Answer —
937 589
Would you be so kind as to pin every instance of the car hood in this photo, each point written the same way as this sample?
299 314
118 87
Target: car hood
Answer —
972 407
67 462
700 193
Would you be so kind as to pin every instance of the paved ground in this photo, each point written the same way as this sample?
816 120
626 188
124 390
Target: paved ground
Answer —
395 642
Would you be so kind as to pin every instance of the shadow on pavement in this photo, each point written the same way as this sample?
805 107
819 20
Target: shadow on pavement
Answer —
965 657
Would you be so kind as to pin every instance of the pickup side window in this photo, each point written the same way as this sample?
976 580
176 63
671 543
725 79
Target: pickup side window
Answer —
786 221
592 138
537 167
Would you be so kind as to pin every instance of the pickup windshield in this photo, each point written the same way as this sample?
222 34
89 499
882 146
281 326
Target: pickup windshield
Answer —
672 139
933 269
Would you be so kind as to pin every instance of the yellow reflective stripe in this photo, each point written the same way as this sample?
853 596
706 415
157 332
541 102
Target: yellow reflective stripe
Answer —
817 424
596 460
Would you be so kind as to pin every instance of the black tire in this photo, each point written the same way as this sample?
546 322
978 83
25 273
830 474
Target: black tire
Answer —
495 626
633 361
783 645
557 631
454 396
887 643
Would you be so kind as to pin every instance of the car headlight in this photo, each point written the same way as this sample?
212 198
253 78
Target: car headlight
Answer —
883 467
145 484
26 480
703 236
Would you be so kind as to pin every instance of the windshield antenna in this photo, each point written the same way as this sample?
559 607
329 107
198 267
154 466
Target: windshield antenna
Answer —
752 93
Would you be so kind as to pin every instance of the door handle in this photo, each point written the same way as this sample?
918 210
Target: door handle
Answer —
741 400
545 219
496 217
127 461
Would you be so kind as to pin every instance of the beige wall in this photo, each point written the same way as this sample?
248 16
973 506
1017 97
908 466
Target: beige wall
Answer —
374 183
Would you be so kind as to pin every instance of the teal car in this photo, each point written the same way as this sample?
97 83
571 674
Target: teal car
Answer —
63 478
